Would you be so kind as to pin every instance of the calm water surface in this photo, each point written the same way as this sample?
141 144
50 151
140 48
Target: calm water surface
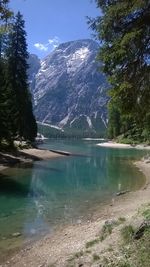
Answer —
36 198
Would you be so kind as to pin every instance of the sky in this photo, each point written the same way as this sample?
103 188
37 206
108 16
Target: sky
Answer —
50 22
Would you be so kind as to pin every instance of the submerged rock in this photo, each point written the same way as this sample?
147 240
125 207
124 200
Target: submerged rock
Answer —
17 234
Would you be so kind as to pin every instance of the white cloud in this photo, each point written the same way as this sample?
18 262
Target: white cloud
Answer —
49 46
41 47
54 42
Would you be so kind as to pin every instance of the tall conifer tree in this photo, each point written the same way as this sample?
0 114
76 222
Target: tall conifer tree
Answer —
5 124
24 121
5 96
2 98
124 32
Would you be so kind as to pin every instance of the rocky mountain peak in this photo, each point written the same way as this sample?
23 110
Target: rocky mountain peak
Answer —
69 91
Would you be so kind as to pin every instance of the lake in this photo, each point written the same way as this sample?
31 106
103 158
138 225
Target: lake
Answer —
37 198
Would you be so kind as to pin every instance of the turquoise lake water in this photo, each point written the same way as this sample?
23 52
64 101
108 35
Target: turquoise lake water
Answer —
36 198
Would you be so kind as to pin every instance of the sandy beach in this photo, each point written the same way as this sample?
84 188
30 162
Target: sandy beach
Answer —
56 250
111 144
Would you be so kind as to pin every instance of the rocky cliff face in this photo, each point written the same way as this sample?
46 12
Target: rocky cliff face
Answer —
34 66
69 91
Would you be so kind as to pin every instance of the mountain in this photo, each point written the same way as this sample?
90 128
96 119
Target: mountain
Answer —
69 91
34 66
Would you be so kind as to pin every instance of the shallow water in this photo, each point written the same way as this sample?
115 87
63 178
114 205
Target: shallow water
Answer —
36 198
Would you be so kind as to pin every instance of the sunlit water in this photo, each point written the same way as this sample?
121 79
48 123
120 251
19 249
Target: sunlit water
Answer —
36 198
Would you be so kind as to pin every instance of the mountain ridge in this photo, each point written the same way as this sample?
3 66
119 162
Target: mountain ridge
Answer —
69 91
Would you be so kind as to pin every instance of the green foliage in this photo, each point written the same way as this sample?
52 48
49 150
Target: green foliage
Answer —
109 226
146 214
127 233
121 219
24 123
5 13
114 121
78 254
6 97
88 251
96 257
142 250
92 243
120 263
124 30
75 256
106 231
138 251
16 116
51 132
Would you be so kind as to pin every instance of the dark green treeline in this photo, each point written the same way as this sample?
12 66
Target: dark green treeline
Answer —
16 116
124 32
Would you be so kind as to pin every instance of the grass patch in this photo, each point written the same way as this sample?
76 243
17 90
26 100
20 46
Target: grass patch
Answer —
142 250
71 265
108 227
146 214
92 243
95 257
78 254
138 251
121 219
106 230
110 248
105 261
71 259
88 251
127 233
122 264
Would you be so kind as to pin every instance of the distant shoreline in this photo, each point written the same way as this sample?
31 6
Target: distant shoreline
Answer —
111 144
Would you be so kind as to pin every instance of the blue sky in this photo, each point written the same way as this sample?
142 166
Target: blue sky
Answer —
50 22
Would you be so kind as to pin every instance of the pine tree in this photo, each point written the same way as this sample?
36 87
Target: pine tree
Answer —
5 15
2 97
124 32
114 126
24 122
7 106
4 102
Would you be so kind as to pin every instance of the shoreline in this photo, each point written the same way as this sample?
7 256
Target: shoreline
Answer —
111 144
7 159
57 248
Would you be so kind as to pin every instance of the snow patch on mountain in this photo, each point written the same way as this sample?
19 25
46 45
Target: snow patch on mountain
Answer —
89 122
74 120
103 120
50 125
69 91
64 121
75 60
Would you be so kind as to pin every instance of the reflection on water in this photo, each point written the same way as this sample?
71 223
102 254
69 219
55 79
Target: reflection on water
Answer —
9 186
35 198
35 223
